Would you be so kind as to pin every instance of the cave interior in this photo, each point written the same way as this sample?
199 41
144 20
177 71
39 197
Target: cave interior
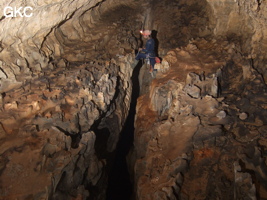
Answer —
81 120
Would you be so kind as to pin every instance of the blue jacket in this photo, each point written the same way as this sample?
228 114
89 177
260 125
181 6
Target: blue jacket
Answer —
150 46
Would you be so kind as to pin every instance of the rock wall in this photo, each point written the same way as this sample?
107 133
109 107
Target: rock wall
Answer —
194 138
183 21
243 22
64 30
82 30
240 21
200 129
66 72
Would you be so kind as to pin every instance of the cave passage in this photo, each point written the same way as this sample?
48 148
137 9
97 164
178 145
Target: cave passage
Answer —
119 185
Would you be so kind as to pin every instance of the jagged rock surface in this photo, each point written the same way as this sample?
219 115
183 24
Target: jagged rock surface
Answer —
52 120
51 106
64 30
190 142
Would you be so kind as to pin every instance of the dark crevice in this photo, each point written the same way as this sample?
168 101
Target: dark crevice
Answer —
119 185
97 122
75 137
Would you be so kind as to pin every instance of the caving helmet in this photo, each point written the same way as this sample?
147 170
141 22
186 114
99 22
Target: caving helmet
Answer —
145 32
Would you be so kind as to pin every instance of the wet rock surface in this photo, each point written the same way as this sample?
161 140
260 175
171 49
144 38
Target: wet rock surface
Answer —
198 134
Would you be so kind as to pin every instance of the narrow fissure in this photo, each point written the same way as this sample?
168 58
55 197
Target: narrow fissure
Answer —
119 184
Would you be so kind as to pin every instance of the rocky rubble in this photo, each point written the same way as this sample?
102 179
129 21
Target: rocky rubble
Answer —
53 119
200 131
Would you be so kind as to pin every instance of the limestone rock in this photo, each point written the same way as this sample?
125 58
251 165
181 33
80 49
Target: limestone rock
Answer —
66 71
195 110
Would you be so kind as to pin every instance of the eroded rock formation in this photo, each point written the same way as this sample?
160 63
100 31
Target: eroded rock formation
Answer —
201 128
52 119
65 84
64 75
